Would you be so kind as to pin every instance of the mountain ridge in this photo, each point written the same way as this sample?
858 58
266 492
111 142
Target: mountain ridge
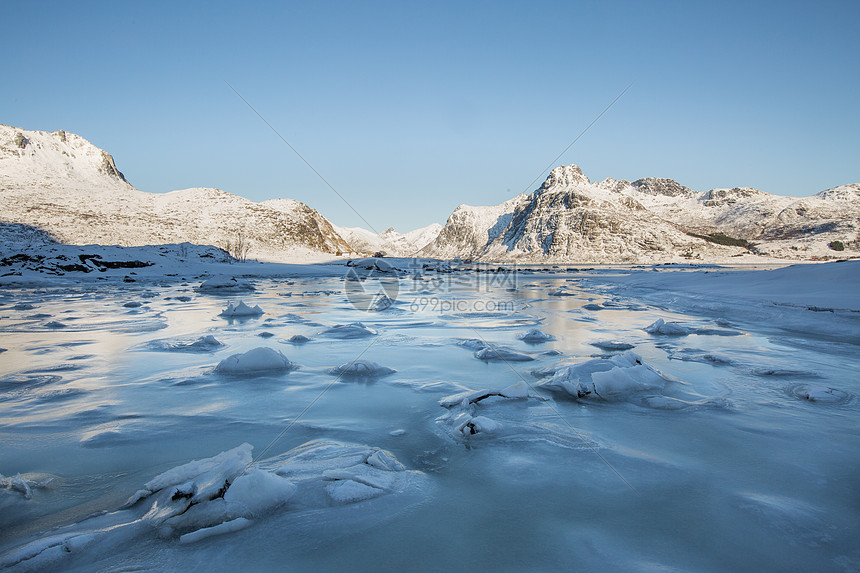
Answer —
571 219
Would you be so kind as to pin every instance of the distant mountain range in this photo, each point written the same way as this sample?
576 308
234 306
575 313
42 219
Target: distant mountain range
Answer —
64 185
61 183
569 219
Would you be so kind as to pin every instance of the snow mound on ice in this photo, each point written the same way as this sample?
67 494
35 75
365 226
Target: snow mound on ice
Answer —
677 329
348 331
500 353
349 473
535 336
361 369
224 285
240 309
260 359
472 343
820 394
206 343
608 379
611 345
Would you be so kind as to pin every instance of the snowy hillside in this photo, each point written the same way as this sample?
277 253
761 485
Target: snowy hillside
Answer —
389 242
571 219
62 184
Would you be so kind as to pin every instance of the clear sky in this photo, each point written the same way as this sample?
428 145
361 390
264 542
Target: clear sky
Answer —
409 109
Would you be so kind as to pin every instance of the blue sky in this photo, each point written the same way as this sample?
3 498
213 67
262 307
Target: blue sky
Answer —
411 109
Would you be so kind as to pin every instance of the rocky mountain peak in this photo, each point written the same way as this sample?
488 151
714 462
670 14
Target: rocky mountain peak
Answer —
565 176
661 186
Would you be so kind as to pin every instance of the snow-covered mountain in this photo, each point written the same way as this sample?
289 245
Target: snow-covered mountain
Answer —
389 242
571 219
61 183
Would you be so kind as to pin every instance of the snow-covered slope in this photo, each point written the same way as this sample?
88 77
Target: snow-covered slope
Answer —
389 242
571 219
61 183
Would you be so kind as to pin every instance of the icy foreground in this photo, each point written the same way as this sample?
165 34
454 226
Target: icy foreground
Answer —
646 419
223 494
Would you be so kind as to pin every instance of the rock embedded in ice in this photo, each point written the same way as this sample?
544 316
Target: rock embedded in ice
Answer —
361 369
503 354
535 336
607 378
348 331
820 394
240 310
133 304
299 339
55 324
225 285
469 425
261 359
611 345
592 306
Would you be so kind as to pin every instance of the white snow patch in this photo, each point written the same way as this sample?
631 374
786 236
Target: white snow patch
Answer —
260 359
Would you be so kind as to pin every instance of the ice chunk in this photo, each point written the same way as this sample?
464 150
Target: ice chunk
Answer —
667 328
361 369
258 491
472 344
535 336
225 285
612 378
347 331
227 527
240 310
501 353
380 302
561 291
611 345
22 485
261 359
232 461
348 491
516 391
677 329
363 473
206 343
469 425
385 460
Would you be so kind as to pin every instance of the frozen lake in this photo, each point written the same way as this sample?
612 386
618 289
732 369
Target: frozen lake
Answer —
727 440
